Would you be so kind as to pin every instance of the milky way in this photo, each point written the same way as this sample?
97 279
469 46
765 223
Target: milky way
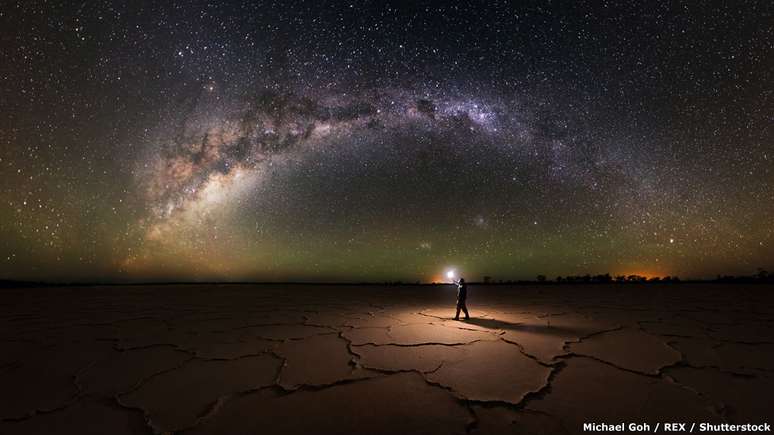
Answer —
213 155
212 159
373 142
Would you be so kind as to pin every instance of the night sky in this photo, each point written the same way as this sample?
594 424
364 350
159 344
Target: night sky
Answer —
377 140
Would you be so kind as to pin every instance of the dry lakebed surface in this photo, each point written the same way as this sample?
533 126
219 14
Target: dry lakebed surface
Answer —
306 359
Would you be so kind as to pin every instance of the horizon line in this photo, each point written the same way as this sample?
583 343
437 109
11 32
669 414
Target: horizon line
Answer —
11 283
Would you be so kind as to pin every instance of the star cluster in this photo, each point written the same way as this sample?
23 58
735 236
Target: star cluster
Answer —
382 140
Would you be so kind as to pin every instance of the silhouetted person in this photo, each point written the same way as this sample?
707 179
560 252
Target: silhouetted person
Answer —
462 296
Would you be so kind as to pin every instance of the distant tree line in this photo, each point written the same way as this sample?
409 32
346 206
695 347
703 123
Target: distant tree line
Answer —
588 279
607 278
761 276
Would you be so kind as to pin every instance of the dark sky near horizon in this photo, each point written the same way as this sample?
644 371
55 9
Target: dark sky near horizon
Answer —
375 140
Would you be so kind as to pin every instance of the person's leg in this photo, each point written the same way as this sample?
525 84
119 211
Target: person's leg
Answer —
457 316
465 309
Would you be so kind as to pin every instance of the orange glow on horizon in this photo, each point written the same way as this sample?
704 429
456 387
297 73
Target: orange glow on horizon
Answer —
646 273
439 278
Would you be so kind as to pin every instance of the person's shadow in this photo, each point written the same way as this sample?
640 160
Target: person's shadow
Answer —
494 323
540 328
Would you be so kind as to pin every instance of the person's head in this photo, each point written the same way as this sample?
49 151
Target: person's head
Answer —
462 280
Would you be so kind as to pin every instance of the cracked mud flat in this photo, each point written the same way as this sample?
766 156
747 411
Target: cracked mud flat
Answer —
240 359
